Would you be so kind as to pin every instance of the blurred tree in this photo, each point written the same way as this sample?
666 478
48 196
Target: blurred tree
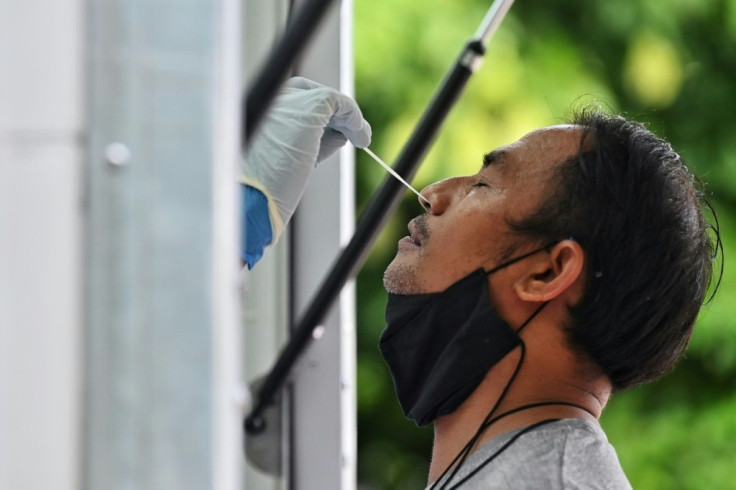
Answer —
668 63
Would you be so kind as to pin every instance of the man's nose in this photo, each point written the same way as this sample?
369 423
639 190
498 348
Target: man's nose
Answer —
437 196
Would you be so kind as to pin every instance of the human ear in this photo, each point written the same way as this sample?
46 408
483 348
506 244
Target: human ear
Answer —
557 273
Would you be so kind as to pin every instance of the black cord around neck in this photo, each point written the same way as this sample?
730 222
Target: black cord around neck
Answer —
487 423
463 454
489 419
501 450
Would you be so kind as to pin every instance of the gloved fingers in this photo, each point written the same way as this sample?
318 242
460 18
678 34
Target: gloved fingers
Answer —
348 120
332 140
301 83
346 115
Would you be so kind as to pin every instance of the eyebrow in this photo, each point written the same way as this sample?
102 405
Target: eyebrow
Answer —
496 156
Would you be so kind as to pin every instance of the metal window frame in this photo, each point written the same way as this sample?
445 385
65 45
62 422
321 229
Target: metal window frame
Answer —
319 428
324 390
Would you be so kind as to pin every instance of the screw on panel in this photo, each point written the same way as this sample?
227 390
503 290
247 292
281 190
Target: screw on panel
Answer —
117 154
318 332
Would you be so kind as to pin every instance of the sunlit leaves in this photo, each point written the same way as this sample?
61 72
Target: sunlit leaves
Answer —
653 70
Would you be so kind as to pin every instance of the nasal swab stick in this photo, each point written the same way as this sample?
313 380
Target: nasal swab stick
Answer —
392 172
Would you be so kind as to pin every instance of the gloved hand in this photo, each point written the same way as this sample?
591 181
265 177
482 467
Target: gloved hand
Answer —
307 123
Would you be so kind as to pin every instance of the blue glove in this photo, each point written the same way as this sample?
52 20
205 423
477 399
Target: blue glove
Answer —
256 232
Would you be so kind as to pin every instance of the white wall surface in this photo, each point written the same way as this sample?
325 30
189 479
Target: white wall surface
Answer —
41 124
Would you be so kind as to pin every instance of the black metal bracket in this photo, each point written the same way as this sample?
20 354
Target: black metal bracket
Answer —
381 206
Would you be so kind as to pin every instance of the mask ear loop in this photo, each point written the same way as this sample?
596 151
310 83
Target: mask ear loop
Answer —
517 259
465 451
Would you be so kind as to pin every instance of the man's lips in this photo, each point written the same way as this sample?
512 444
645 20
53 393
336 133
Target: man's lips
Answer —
417 234
414 235
407 243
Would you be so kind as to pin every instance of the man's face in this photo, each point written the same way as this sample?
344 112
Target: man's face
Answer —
465 226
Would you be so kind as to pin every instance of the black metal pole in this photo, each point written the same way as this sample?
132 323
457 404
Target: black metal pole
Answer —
277 66
380 207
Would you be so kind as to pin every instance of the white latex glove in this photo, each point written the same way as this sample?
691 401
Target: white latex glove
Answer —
307 123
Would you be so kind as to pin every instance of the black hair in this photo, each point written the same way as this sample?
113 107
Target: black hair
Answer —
635 208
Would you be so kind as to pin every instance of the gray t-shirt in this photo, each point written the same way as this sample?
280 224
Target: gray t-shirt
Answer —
569 453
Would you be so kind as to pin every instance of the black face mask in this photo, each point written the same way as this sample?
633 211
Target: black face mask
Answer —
440 346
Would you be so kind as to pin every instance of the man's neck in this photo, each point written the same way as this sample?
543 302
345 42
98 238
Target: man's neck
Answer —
534 384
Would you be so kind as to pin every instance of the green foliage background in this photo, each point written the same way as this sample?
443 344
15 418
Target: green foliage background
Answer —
670 63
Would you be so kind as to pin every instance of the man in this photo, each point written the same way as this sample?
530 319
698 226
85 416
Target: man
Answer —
571 266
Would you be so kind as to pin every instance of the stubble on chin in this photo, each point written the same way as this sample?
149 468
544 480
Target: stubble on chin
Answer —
401 279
